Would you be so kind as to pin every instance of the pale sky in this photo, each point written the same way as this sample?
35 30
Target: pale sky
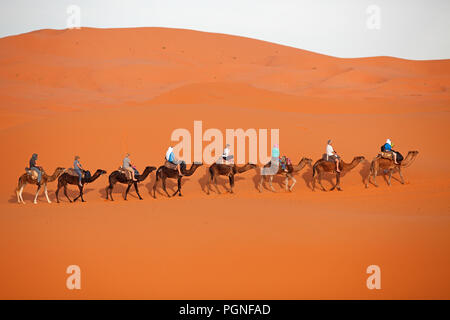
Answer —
412 29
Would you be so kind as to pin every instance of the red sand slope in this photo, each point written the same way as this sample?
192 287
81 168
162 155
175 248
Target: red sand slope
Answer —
101 93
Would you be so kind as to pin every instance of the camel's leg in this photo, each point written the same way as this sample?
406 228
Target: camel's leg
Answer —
126 191
109 190
286 183
137 190
46 193
390 177
208 184
334 187
401 175
179 187
80 195
164 187
368 178
19 191
37 194
154 187
375 173
215 184
319 178
231 178
262 183
19 195
293 184
313 182
65 193
270 183
338 181
57 193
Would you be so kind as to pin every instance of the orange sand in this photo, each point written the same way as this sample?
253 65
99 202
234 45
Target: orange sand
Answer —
72 92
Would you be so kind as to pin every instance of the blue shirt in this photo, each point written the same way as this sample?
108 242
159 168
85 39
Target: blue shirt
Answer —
387 147
171 157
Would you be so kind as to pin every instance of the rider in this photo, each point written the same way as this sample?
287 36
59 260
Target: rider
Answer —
276 157
170 156
78 169
226 154
388 149
128 166
33 166
332 155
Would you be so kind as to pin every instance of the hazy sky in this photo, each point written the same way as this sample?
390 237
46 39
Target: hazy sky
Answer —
413 29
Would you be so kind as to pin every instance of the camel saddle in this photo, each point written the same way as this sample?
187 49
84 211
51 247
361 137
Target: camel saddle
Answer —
125 172
170 165
225 162
72 172
386 155
31 173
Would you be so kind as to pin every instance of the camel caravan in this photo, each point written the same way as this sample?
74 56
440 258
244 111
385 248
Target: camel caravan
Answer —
386 162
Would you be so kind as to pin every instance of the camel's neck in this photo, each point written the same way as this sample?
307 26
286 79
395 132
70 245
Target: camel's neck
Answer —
299 166
53 176
243 168
191 170
94 177
408 159
144 175
351 165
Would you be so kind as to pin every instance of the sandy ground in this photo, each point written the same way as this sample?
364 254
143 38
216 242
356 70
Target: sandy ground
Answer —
101 93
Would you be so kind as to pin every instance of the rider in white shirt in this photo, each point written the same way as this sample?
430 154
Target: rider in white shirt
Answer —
332 155
226 154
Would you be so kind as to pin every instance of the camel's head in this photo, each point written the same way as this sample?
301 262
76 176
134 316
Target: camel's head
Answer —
100 171
359 159
307 161
251 165
151 168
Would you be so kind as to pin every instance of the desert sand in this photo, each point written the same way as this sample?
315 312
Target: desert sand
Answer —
100 93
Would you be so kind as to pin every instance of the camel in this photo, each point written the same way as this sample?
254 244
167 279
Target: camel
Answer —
117 176
322 166
67 178
219 169
26 178
292 169
384 164
163 173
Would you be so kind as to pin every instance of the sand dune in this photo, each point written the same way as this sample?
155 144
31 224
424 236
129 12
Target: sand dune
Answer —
100 93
